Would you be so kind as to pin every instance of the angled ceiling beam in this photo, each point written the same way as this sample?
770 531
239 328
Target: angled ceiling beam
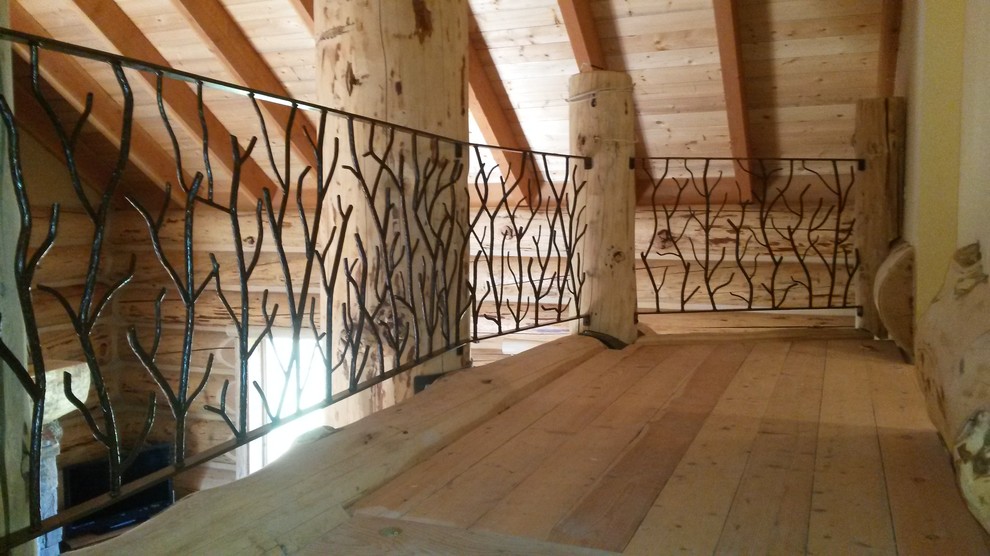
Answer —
305 10
92 170
227 40
70 79
890 33
116 27
730 55
579 22
496 124
580 25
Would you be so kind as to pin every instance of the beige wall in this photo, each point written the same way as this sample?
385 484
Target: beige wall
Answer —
934 36
974 167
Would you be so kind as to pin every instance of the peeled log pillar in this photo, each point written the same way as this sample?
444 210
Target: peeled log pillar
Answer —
953 362
403 63
602 123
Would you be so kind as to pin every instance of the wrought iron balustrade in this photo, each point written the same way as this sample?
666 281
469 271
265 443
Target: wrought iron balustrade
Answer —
730 234
383 245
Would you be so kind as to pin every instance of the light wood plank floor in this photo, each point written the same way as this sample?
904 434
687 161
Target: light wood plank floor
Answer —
735 446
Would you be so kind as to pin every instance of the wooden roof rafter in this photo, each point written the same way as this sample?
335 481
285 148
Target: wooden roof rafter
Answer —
73 83
579 22
305 10
497 125
113 24
227 40
730 55
33 120
890 31
580 25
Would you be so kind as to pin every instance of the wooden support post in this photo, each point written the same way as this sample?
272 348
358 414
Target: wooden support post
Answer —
602 123
879 140
15 406
406 64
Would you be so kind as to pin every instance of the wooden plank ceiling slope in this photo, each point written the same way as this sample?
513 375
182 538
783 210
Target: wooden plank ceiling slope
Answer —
766 78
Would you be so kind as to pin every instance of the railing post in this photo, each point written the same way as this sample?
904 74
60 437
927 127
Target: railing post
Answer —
879 140
602 124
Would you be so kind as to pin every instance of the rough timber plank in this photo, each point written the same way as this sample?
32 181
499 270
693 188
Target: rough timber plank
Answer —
609 514
375 535
329 473
465 499
690 511
849 503
929 515
545 497
743 334
411 488
770 510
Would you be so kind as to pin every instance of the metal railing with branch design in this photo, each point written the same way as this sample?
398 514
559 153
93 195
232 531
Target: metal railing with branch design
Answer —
384 246
788 246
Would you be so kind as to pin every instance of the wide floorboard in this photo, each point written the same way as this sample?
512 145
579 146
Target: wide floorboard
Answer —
742 445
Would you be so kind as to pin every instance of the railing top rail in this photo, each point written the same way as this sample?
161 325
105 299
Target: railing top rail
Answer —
233 88
758 158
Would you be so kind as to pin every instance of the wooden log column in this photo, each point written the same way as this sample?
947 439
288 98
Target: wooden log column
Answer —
602 128
879 140
15 406
403 63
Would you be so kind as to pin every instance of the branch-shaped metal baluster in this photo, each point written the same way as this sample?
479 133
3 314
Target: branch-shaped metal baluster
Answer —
768 203
576 229
388 257
444 221
839 235
486 243
655 210
329 269
706 221
325 172
205 144
296 302
674 239
180 399
86 315
25 266
241 319
741 251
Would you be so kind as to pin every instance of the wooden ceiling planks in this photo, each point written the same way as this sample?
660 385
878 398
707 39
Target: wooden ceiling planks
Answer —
804 62
529 53
670 49
800 56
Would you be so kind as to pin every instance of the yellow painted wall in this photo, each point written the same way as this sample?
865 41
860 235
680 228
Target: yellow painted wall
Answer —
935 96
974 165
